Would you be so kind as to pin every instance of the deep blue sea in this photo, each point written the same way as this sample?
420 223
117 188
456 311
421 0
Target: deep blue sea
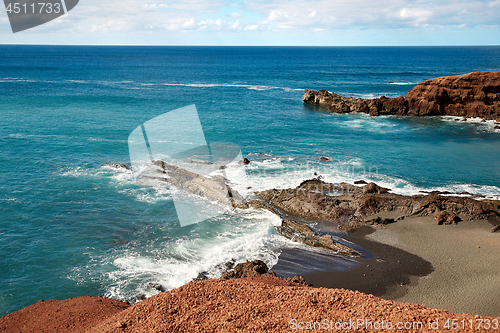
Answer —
71 225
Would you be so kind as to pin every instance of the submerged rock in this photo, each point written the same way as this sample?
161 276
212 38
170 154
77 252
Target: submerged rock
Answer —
303 234
156 286
119 166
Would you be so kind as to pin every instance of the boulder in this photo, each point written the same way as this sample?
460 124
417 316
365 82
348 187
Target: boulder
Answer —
443 217
248 269
297 279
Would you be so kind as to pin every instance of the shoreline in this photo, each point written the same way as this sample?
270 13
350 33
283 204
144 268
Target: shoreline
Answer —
465 259
451 267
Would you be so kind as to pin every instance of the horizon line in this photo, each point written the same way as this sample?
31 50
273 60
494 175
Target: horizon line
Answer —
263 45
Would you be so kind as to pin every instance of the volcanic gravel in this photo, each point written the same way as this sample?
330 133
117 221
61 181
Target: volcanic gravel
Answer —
258 304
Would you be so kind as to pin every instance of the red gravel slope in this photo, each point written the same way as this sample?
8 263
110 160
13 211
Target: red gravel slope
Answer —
260 304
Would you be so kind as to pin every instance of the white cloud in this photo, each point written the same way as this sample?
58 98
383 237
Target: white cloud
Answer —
494 3
415 14
272 15
390 14
252 27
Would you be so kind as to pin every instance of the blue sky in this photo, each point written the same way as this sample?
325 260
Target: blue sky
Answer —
268 22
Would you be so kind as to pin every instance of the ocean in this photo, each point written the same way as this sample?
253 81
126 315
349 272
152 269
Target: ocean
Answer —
73 224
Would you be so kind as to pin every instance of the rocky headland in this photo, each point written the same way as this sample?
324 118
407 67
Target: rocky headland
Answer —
469 95
355 204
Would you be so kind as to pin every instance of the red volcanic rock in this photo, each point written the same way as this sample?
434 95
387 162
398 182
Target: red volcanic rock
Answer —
76 314
470 95
259 304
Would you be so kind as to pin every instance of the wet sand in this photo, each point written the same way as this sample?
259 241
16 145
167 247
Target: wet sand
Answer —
466 261
383 271
452 267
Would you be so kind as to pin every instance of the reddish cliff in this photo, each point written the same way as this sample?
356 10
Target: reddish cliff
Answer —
258 304
470 95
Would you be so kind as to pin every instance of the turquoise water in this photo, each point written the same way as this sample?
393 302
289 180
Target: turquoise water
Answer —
72 225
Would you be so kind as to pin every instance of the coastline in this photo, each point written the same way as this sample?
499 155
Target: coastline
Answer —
465 259
451 267
413 260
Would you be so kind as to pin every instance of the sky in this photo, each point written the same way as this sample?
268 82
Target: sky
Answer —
268 22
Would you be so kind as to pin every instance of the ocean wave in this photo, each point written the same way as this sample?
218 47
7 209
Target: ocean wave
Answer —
127 84
277 173
59 136
129 272
370 95
217 85
482 124
403 83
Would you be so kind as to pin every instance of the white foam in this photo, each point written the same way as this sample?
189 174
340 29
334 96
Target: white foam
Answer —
237 236
246 236
483 125
216 85
402 83
128 84
274 173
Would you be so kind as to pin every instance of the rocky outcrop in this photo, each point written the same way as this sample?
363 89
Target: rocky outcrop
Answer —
212 188
248 269
470 95
303 234
353 207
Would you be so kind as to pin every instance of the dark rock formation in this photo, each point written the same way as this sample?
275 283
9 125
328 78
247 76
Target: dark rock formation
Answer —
470 95
356 204
443 217
297 279
119 166
248 269
201 277
379 221
212 188
302 233
156 286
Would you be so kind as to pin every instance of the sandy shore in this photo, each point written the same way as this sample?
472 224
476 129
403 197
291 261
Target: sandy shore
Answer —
465 258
